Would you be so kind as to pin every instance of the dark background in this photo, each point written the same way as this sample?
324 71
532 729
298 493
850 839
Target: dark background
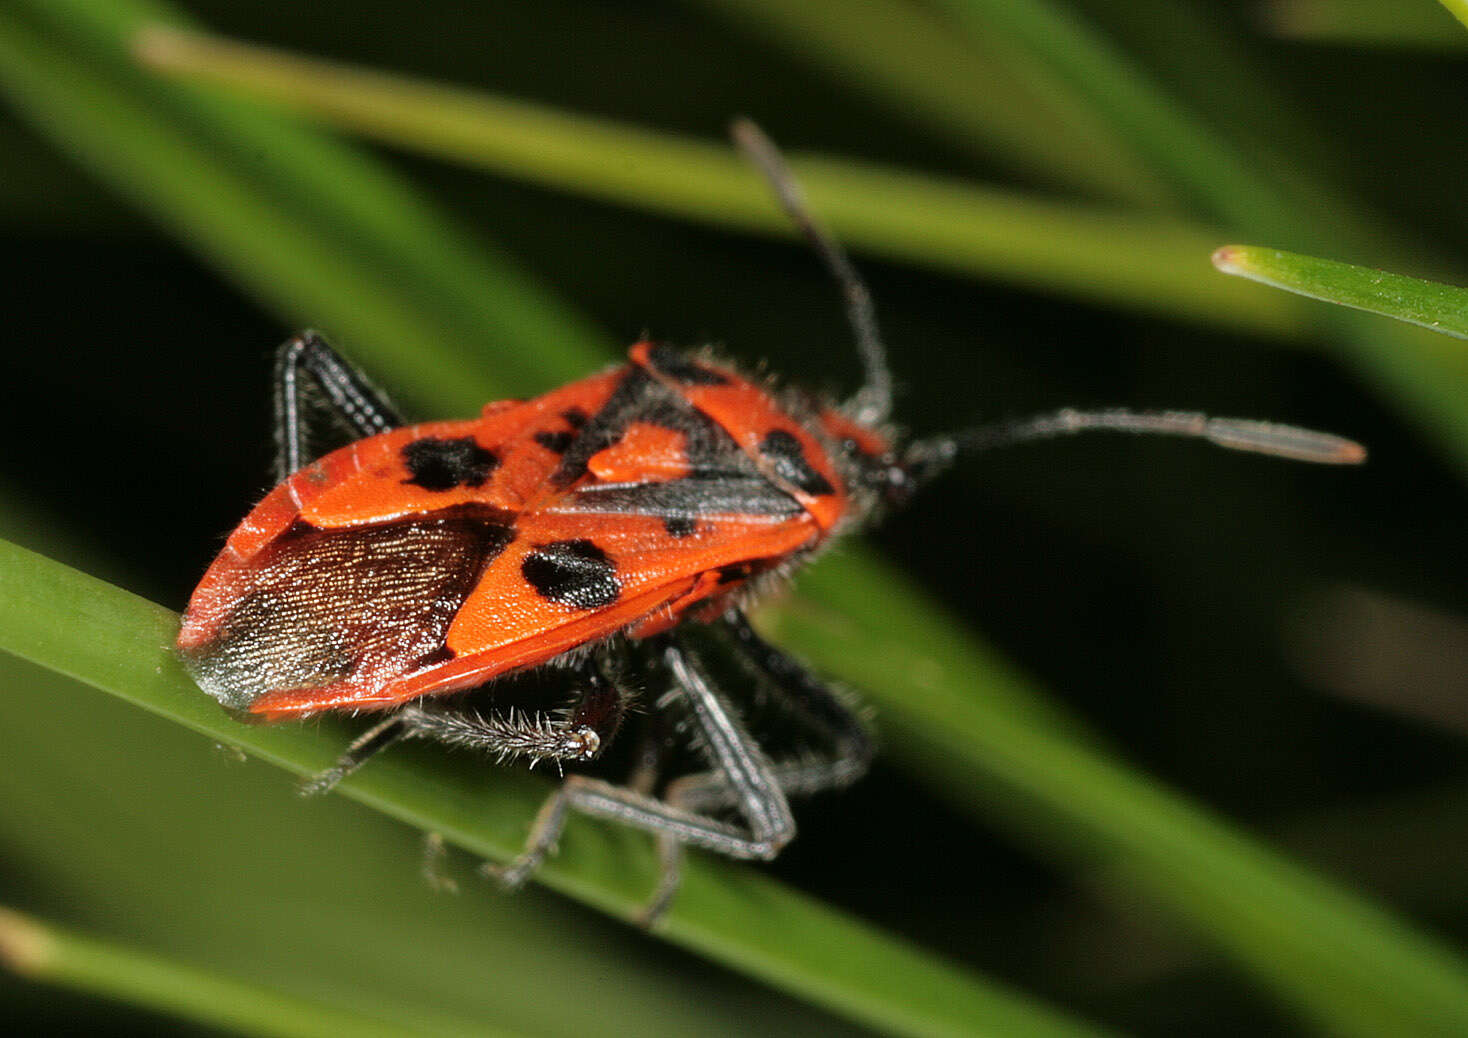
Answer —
1156 587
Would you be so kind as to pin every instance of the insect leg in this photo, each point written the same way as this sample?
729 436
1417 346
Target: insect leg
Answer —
737 757
580 737
367 745
647 760
848 751
433 869
848 742
753 791
360 406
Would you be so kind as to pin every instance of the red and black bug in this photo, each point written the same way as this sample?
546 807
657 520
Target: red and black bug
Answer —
586 528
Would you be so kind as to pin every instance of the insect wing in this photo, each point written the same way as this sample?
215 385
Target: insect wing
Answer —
570 579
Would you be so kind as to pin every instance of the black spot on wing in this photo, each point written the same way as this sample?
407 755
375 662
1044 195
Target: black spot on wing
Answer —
297 529
438 464
678 367
679 526
575 573
559 442
784 452
575 417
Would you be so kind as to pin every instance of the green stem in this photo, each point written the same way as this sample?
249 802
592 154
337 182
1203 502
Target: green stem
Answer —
965 723
1458 9
1227 183
1149 263
321 233
105 637
52 955
982 94
1367 23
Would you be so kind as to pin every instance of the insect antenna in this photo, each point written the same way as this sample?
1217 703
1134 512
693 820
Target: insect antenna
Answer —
871 404
1241 434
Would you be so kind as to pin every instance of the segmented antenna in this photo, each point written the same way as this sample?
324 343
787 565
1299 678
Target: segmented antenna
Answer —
1240 434
873 402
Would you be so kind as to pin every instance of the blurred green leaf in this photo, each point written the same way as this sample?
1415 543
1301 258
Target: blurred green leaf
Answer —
1368 23
956 716
1225 179
133 828
1090 254
1220 179
1458 9
57 956
1148 263
98 634
1442 308
981 94
315 229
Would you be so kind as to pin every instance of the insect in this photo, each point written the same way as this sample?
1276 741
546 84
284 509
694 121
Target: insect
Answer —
590 529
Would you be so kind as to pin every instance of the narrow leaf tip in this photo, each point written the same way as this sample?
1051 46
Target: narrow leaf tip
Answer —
1227 258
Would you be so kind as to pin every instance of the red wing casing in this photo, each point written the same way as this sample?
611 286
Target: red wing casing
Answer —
435 557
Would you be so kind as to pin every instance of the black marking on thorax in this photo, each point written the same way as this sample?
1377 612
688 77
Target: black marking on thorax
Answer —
788 459
679 367
575 573
605 427
439 464
559 442
721 479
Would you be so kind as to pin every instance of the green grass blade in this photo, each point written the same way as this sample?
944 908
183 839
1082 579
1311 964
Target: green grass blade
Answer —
1095 255
1442 308
1458 9
953 713
100 635
1184 149
54 955
1365 23
983 95
315 229
948 709
1430 385
1151 264
139 832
